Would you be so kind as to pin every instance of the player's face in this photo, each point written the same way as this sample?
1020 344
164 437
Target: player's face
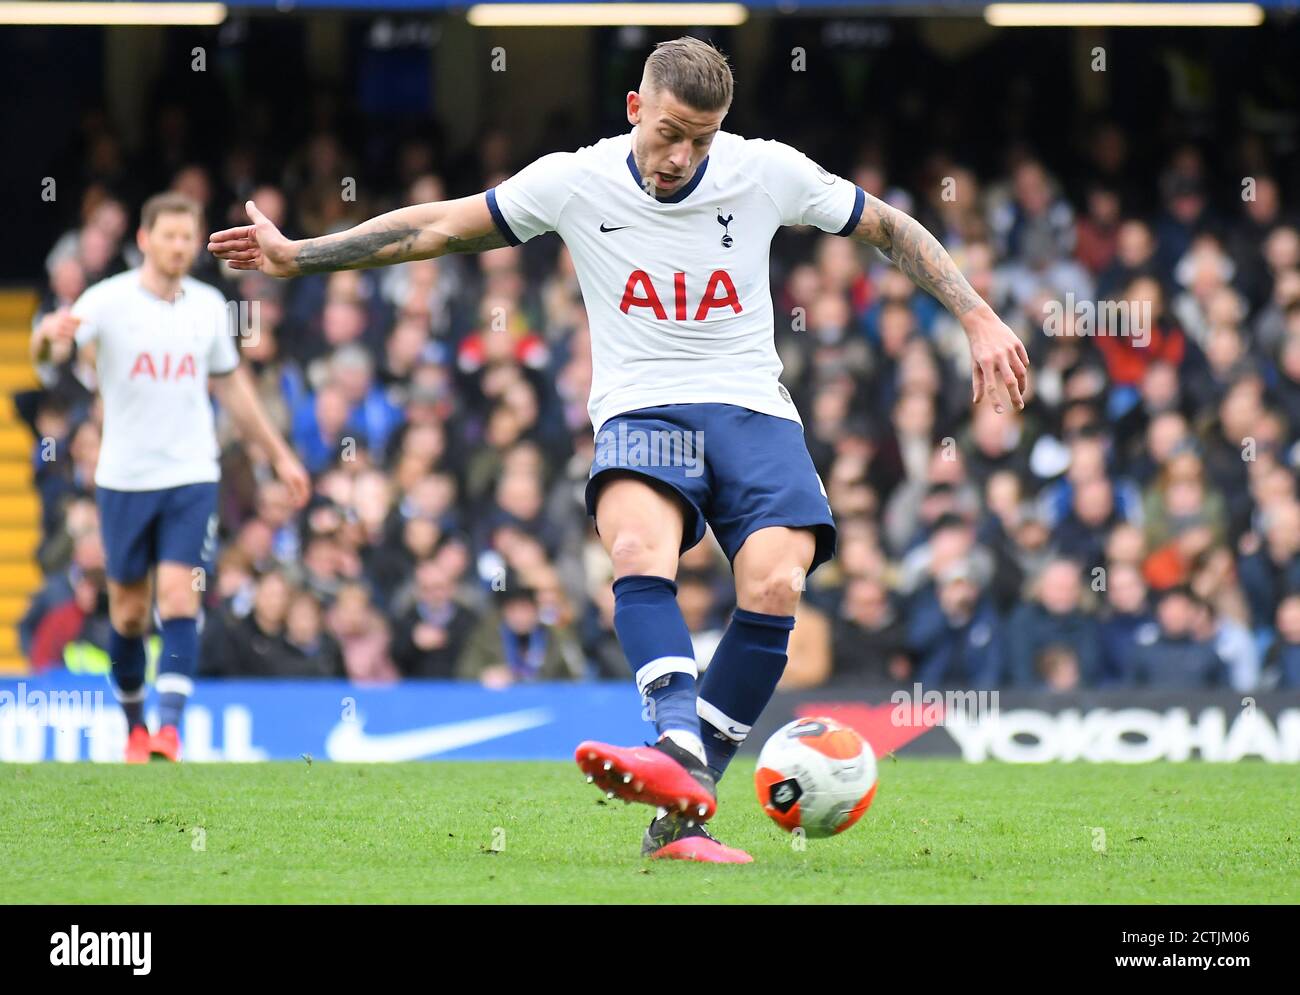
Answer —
672 138
172 243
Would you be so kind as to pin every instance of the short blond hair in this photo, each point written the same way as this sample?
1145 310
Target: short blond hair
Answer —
693 71
170 202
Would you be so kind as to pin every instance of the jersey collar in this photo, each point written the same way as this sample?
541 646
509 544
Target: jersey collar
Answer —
681 194
139 282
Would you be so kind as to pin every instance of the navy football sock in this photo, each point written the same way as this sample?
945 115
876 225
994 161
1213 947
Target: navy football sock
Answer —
739 682
177 665
127 662
658 647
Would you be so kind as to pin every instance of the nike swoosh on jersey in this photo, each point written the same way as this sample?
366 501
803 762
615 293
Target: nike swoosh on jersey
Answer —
348 741
607 230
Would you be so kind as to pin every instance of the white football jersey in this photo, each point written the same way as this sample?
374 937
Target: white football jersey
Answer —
676 290
152 359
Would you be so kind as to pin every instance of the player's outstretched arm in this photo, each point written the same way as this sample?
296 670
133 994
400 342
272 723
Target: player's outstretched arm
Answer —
418 232
235 392
998 357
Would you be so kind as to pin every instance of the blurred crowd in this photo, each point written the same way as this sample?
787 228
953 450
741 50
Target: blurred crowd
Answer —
1138 524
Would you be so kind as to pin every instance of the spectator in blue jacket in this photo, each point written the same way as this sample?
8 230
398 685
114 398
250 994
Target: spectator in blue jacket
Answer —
1126 621
1055 617
1270 568
320 423
1176 658
372 415
954 634
1285 653
1081 534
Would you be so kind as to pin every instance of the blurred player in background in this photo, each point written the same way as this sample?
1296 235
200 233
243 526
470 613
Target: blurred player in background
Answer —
669 226
156 340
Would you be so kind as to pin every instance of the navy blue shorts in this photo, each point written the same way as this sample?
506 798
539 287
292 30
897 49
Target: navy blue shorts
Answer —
145 528
735 469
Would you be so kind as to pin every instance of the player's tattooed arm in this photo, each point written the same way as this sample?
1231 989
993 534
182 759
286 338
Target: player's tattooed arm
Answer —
421 231
916 252
357 249
480 243
998 357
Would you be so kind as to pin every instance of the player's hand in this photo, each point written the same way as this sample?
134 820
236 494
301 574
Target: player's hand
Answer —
294 476
54 336
60 325
999 362
259 246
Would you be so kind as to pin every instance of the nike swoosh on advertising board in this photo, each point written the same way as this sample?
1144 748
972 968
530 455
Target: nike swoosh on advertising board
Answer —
875 723
348 741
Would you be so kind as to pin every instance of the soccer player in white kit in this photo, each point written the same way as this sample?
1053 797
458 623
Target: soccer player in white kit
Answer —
157 339
669 226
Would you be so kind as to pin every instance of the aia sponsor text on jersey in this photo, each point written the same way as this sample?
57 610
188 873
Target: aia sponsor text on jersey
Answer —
719 292
165 367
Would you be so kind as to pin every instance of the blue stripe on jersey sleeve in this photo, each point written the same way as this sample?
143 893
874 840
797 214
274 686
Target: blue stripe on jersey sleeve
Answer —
859 201
500 219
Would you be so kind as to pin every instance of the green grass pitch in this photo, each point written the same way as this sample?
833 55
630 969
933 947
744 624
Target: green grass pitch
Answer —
939 831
